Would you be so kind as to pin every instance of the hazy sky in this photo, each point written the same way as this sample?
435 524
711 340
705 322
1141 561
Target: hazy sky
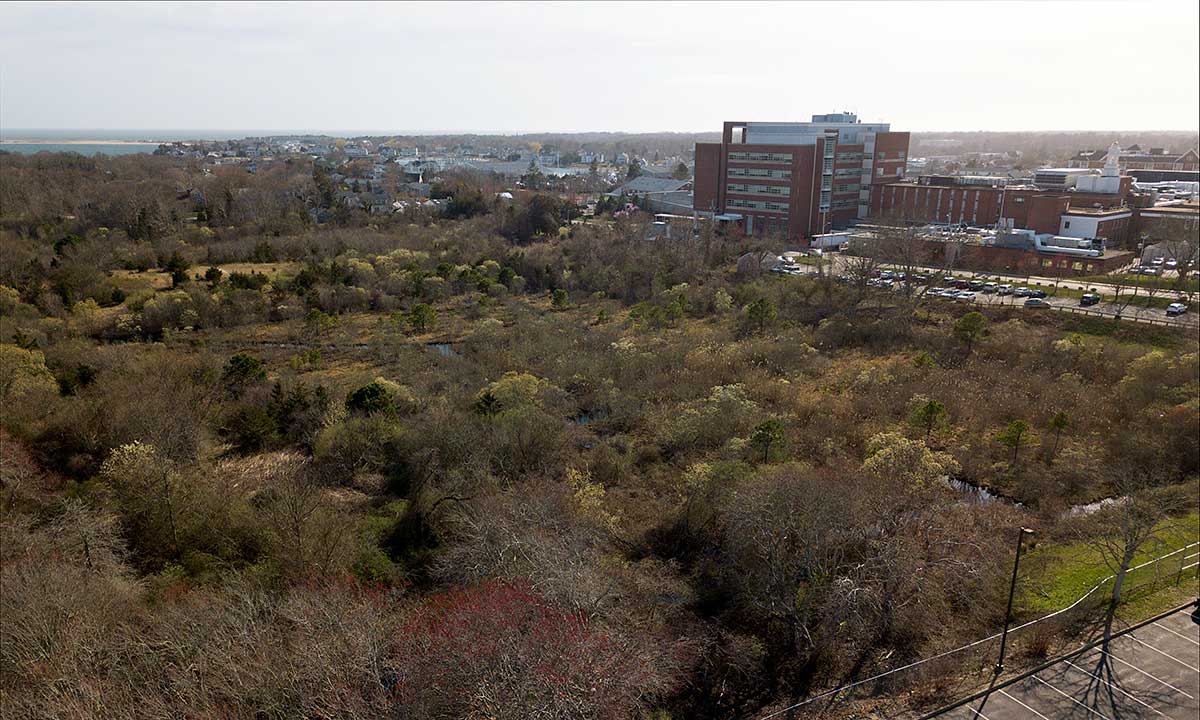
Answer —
531 67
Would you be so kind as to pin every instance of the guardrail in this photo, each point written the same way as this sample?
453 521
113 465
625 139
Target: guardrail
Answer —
1164 321
981 654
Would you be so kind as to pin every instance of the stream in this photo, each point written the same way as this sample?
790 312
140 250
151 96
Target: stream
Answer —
973 494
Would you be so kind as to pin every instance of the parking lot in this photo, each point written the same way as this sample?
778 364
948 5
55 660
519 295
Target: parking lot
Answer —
1015 296
1151 672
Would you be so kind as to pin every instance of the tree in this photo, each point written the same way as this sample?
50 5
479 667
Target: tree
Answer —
1136 520
681 172
559 299
761 313
213 276
241 371
505 648
421 317
906 464
970 328
1181 242
23 371
374 397
487 404
634 171
1058 423
178 267
927 415
765 435
1015 435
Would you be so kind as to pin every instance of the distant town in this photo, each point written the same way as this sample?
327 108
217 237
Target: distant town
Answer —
807 182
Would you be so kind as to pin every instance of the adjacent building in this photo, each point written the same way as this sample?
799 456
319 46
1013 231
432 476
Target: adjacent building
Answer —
1134 158
1074 202
798 179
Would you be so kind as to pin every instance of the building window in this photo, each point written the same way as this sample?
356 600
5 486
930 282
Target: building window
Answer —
1066 223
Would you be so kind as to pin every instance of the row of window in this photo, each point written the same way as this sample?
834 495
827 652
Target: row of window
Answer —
760 172
760 157
782 190
768 205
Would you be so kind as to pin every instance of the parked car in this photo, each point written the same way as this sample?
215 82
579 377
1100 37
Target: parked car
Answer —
1037 293
975 285
989 288
1004 290
965 296
961 284
1172 263
1022 292
1157 261
1176 309
1034 302
1089 299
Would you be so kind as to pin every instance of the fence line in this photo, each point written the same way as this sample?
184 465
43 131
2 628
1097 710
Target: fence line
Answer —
976 643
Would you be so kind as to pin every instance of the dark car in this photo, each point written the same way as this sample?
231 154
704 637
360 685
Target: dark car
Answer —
975 285
1040 294
1089 299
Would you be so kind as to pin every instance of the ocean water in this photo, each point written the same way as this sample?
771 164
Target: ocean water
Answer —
81 148
89 141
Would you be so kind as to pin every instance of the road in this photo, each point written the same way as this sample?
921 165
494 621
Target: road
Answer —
1155 316
1151 672
840 266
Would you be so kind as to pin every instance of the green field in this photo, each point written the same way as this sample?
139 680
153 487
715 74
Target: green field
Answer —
1061 573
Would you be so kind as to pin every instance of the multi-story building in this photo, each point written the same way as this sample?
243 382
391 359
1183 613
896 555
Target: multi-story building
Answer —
1134 158
797 179
1066 201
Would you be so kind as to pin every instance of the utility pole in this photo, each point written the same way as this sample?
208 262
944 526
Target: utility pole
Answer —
1012 588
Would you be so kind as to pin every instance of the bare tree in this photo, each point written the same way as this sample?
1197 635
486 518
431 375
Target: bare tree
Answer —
1133 523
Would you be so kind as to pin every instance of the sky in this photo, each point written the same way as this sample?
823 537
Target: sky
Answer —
575 67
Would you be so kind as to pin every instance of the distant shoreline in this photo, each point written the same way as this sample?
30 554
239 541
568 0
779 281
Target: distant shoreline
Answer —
21 141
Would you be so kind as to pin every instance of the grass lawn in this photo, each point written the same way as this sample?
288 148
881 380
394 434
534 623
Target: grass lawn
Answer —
1191 285
1060 574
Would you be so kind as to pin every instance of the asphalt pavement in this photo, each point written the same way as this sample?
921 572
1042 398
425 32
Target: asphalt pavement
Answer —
1151 672
1157 316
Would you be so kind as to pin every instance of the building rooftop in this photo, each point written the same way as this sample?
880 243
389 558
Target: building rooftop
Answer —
1097 211
646 184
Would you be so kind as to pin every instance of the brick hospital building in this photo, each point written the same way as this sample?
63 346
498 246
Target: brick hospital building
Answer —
797 179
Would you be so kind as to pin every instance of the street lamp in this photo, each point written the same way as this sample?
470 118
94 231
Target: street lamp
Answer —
1012 588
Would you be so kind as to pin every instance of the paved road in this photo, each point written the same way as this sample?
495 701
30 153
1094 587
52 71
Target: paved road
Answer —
1158 316
1152 672
840 264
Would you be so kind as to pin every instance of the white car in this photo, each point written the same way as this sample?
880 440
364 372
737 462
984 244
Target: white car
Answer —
965 296
1176 309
